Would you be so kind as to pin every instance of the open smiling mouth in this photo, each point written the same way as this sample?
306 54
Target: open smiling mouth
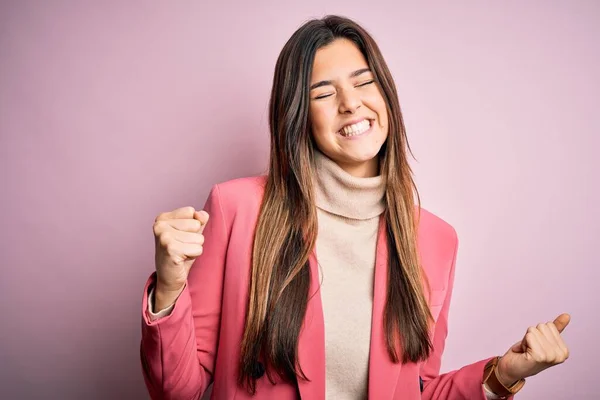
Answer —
358 129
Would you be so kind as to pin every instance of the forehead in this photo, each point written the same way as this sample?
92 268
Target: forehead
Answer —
337 60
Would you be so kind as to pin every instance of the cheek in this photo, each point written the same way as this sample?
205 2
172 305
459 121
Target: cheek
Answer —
383 115
320 121
376 103
384 121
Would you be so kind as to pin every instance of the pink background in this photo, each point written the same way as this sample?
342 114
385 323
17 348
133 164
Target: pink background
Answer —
111 112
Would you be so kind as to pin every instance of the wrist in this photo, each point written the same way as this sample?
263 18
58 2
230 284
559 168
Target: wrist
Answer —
503 377
499 382
165 297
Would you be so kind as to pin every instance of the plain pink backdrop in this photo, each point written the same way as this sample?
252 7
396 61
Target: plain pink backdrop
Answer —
111 112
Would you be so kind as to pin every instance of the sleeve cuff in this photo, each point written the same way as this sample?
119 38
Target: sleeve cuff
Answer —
152 316
489 395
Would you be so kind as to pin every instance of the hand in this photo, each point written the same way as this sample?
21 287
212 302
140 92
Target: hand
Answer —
179 240
541 348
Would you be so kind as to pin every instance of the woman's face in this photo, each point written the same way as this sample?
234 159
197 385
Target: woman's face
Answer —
348 114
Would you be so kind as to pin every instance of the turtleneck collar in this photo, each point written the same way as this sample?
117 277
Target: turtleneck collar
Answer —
340 193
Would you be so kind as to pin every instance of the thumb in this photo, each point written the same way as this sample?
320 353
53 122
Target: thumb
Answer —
562 321
201 216
518 347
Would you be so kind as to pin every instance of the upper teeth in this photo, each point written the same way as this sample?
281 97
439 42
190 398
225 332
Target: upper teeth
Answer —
356 129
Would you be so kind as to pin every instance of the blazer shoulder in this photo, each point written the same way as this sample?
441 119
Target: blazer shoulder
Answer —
438 245
240 194
246 185
431 224
437 234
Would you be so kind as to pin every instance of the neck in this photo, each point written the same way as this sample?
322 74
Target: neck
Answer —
342 193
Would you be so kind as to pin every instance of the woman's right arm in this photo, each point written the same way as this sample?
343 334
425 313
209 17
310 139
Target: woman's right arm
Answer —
178 351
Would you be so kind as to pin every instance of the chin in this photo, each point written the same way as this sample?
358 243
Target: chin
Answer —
354 151
362 154
360 157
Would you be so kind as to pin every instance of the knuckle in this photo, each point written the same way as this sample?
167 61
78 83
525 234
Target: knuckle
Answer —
165 239
540 326
531 330
158 227
529 336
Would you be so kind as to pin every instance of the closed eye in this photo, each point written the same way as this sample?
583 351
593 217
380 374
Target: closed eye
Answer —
366 83
359 85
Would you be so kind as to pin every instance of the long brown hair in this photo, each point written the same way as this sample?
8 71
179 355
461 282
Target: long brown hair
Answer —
287 224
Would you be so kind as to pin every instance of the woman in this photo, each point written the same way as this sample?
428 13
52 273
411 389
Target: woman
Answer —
323 279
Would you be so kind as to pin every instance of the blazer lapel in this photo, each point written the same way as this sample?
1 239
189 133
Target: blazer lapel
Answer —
383 373
311 341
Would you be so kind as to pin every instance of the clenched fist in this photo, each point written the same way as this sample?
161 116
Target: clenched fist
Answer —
179 240
542 347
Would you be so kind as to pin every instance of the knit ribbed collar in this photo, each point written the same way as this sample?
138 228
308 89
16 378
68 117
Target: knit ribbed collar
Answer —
340 193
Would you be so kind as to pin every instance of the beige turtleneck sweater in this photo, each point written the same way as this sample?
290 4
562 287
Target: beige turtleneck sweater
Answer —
348 210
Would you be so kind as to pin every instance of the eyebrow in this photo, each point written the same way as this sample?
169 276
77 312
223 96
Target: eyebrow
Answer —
352 75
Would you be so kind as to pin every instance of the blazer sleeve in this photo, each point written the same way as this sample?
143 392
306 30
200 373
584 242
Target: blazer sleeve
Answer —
178 351
465 383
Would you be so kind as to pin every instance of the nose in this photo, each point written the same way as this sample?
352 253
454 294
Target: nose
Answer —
350 101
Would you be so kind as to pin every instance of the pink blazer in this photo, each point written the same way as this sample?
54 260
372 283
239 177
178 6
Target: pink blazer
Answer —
199 342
